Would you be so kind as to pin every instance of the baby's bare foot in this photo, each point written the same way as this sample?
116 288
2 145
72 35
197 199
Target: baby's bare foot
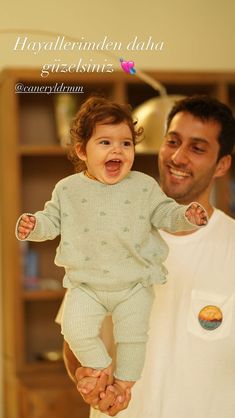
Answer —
87 384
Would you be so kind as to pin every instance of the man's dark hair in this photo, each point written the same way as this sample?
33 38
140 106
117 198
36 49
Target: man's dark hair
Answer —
209 109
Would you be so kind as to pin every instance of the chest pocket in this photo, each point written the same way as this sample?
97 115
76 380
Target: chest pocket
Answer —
210 315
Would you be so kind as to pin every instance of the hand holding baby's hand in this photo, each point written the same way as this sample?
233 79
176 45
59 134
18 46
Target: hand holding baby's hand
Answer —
26 225
116 397
196 214
109 396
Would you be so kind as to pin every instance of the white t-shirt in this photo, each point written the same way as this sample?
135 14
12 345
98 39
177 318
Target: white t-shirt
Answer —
190 362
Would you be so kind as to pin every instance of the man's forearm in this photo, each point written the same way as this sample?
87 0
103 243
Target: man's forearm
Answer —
70 361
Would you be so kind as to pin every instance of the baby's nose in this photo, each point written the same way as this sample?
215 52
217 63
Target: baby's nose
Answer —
117 148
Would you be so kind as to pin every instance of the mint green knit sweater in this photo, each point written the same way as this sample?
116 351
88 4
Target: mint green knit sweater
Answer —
109 233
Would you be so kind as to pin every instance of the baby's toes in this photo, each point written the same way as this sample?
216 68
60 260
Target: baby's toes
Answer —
87 384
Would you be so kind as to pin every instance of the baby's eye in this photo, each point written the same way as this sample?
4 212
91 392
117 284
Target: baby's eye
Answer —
104 142
128 143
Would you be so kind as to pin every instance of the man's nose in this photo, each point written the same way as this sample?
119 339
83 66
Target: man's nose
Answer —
180 156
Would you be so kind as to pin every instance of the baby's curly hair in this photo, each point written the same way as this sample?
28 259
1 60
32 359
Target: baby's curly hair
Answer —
97 110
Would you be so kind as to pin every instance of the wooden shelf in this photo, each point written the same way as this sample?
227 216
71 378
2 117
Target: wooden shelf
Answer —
36 150
44 366
34 295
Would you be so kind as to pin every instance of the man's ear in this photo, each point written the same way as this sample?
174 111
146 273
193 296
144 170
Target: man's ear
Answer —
223 166
81 152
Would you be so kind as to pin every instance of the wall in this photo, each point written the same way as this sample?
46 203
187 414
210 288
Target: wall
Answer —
197 34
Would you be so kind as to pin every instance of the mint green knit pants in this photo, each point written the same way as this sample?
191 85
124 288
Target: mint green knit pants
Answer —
83 315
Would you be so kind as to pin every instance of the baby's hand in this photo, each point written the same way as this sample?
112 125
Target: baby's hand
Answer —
25 226
196 214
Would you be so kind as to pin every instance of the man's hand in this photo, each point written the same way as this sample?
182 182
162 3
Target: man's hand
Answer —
113 410
104 396
111 403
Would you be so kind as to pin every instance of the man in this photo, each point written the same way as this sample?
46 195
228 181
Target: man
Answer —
190 363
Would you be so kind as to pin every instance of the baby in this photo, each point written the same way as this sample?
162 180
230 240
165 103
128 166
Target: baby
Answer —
108 218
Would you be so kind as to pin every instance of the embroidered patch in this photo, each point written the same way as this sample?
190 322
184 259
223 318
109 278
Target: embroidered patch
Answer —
210 317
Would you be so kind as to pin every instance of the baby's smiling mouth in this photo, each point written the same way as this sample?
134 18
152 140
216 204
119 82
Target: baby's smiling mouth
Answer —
113 165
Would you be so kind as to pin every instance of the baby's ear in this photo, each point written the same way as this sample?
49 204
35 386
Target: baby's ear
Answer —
81 152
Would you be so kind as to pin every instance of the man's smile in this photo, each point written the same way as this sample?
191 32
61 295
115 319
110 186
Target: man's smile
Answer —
178 173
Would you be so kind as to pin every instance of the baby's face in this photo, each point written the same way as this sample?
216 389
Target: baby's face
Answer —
109 152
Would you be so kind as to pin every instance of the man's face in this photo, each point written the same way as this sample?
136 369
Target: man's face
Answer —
188 158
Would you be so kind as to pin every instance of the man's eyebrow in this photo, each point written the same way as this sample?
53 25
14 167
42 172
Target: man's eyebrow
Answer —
173 133
199 139
192 138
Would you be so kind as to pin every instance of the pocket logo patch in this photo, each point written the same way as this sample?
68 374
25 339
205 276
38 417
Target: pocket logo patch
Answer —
210 317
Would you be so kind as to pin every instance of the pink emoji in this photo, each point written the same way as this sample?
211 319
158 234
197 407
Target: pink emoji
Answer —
128 66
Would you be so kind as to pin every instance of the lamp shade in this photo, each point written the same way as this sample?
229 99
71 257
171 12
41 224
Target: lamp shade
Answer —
152 115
